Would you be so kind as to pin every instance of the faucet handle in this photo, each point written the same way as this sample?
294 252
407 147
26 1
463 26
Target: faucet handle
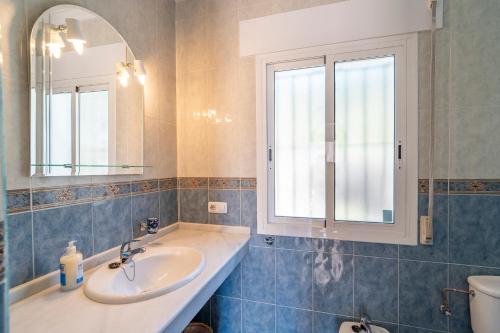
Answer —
365 319
151 225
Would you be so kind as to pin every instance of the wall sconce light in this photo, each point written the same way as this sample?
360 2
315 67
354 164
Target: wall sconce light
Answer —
122 74
73 31
140 71
55 43
74 34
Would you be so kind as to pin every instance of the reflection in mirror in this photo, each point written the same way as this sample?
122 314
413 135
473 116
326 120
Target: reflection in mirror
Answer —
87 97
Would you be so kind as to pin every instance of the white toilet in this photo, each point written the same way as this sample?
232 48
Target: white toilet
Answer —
485 304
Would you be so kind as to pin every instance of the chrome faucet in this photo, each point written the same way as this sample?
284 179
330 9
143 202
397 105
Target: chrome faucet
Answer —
365 322
126 255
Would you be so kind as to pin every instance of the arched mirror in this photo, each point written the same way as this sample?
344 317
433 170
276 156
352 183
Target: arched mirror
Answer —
86 97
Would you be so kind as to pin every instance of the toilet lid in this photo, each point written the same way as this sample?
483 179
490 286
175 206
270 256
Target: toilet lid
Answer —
487 284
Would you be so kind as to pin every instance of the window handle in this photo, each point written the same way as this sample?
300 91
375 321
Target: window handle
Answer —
400 154
270 154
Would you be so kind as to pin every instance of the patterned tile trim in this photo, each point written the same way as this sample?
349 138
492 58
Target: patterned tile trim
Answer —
18 201
461 186
193 182
108 191
248 183
61 196
224 183
2 247
168 184
144 186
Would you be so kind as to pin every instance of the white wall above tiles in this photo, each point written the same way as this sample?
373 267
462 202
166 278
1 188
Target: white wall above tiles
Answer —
334 23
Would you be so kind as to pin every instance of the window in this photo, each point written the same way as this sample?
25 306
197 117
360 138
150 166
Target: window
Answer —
80 127
337 141
93 129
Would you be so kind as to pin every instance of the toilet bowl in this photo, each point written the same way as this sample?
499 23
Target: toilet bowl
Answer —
484 303
353 327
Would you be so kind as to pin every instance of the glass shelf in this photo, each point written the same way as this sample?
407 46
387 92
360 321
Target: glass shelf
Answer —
69 166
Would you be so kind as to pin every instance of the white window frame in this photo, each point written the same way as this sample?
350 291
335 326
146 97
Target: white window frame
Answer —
75 86
404 229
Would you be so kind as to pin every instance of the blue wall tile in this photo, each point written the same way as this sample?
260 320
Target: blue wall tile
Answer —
291 320
249 218
20 248
232 285
376 288
333 283
3 312
475 230
226 314
143 207
328 323
294 278
168 207
112 223
459 303
232 198
258 268
194 205
53 228
333 246
258 317
376 250
420 294
294 243
439 250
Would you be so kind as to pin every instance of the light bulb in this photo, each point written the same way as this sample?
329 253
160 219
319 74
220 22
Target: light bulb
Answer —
140 71
123 77
74 34
142 79
78 45
55 51
55 44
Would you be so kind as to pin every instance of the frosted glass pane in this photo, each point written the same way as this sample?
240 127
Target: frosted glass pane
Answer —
364 140
94 134
299 156
59 133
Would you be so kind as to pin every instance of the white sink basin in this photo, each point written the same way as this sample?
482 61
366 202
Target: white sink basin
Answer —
158 271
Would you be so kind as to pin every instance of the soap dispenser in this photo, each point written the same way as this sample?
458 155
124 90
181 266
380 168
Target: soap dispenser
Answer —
71 268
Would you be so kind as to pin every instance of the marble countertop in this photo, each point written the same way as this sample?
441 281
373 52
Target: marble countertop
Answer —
52 310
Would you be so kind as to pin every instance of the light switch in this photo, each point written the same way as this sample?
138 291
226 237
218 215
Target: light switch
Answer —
217 207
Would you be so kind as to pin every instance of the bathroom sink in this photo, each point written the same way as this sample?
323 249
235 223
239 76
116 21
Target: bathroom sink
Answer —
158 270
352 327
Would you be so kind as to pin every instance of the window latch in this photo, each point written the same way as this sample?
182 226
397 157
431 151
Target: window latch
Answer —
400 154
270 154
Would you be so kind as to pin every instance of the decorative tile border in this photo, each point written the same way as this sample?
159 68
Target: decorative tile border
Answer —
248 183
109 191
61 196
168 184
193 182
2 252
224 183
461 186
18 201
144 186
42 198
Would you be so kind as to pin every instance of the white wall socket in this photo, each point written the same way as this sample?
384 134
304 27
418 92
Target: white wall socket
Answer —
217 207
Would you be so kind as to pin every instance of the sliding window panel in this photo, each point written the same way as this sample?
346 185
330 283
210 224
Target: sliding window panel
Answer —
299 142
364 139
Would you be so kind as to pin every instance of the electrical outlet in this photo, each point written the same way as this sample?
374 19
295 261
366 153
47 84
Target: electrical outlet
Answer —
217 207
